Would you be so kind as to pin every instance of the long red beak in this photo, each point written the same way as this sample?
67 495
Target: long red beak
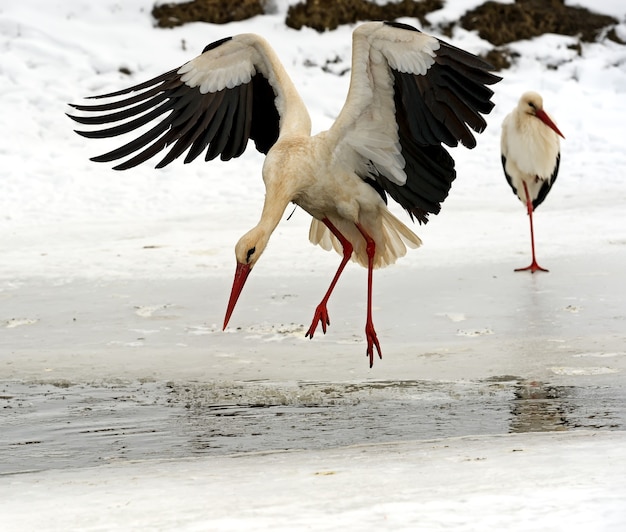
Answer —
541 115
241 274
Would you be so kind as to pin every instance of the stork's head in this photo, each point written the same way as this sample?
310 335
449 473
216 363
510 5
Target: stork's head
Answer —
531 103
247 252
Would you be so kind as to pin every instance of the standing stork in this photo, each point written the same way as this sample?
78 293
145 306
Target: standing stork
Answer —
530 157
409 93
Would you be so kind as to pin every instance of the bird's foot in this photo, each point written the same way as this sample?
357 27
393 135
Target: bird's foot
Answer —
372 341
320 316
534 267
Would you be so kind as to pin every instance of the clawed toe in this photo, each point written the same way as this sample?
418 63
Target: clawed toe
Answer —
372 342
320 316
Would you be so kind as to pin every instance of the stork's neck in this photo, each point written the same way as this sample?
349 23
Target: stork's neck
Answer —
285 171
250 246
277 197
273 209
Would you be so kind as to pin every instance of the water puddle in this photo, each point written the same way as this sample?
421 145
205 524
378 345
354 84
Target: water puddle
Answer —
57 425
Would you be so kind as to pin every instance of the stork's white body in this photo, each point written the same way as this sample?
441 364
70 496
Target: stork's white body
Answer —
531 155
409 93
327 188
531 149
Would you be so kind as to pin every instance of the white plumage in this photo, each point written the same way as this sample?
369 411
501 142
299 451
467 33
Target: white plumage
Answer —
409 94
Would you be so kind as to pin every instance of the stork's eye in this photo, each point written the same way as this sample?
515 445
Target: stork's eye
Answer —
531 104
250 253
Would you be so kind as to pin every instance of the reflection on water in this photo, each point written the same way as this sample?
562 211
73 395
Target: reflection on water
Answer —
64 425
320 415
541 407
538 407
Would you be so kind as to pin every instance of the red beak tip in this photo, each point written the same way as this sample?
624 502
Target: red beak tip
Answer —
241 274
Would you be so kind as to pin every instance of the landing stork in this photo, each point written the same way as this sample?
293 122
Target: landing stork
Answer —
531 155
409 93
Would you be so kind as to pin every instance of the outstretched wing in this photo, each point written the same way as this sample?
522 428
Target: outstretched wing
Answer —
236 90
409 94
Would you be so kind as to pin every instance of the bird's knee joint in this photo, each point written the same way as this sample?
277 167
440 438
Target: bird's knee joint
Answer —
347 248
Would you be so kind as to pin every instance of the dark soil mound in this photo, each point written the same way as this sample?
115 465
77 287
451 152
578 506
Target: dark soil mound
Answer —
323 15
215 11
504 23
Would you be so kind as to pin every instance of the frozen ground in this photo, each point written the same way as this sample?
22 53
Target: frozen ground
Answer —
423 485
499 402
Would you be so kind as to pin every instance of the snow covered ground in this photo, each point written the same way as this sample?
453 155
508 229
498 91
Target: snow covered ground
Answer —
120 279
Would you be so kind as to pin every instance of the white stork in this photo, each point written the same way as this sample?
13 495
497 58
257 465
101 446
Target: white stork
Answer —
531 155
409 93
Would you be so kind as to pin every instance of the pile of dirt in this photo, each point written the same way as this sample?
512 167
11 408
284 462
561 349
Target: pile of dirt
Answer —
505 23
214 11
322 15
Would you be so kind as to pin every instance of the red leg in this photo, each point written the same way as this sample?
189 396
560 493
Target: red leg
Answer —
370 333
321 313
533 265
